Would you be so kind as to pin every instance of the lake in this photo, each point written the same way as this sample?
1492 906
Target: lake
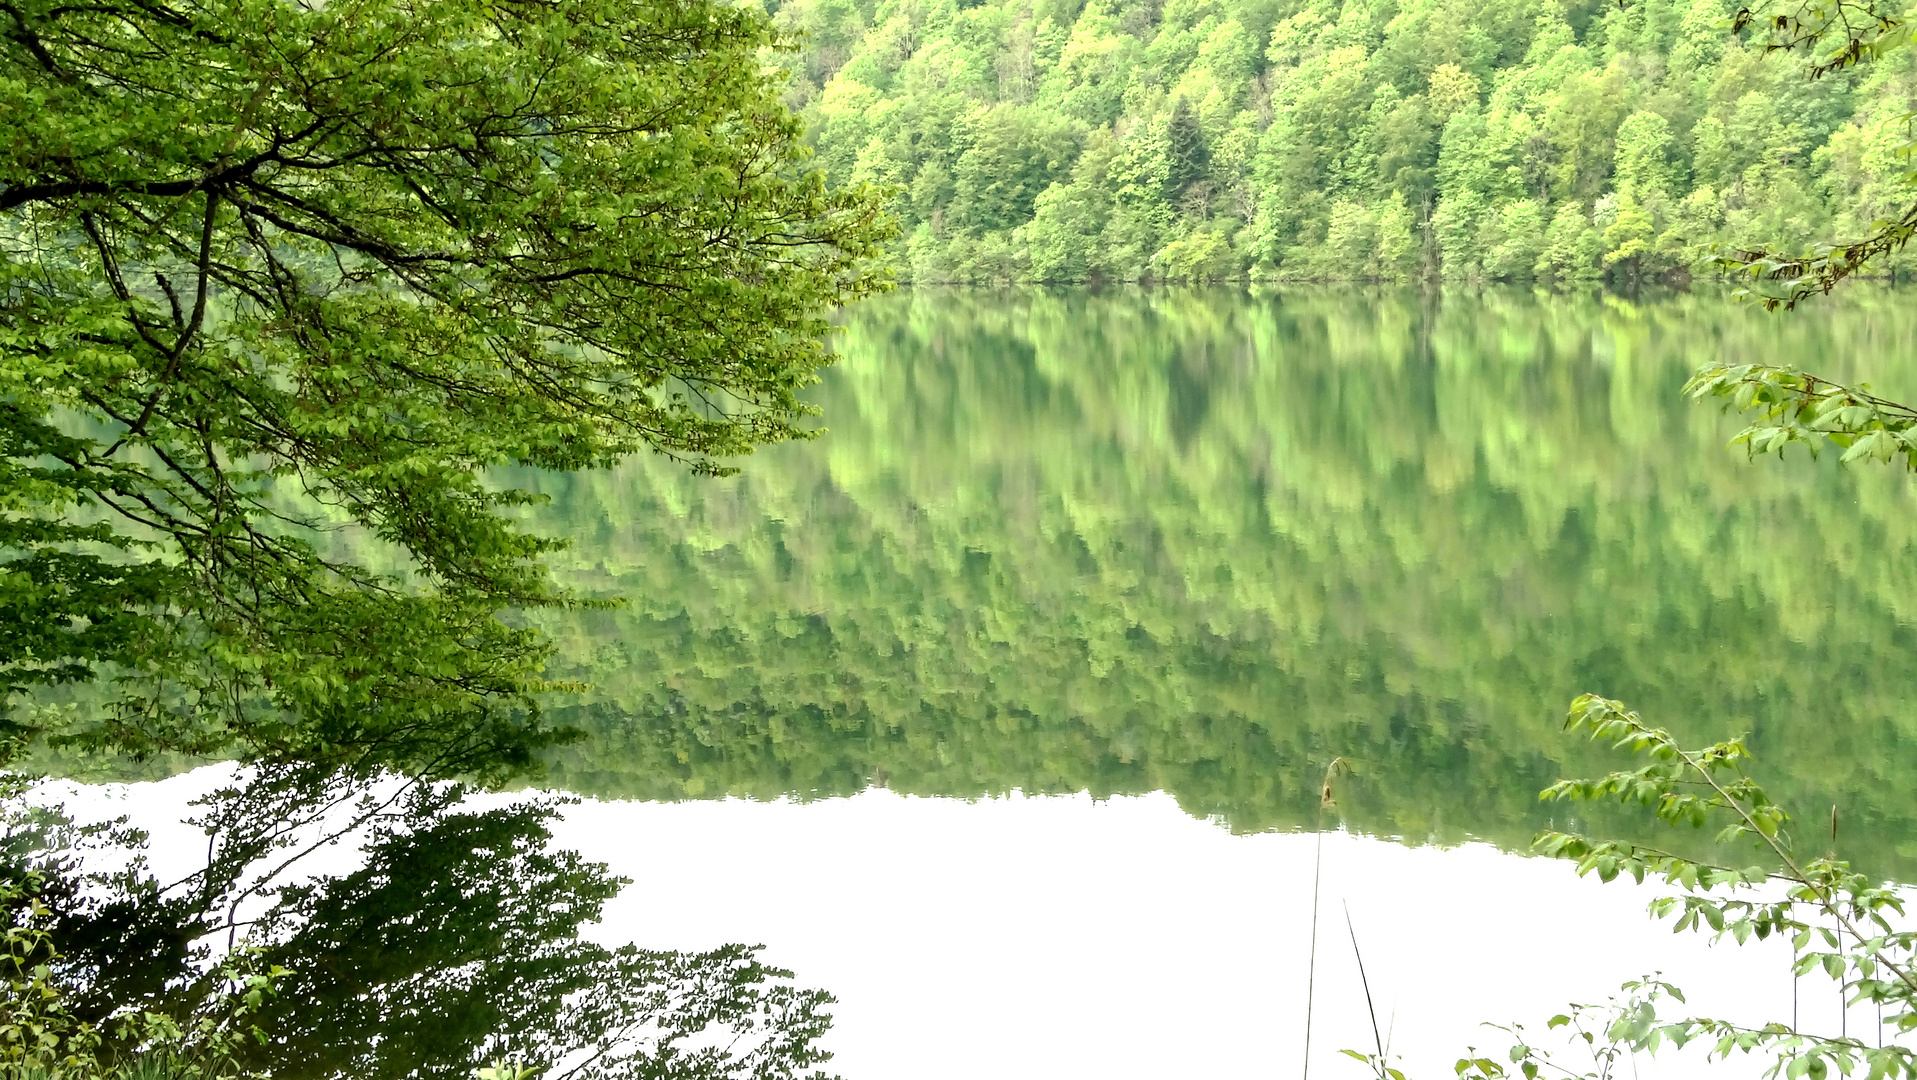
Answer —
1001 709
1200 543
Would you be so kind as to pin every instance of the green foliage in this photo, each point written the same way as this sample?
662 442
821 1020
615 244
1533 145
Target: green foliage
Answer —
1516 241
43 1036
1276 127
1841 924
1836 36
1186 157
1572 247
1203 256
1794 406
1629 235
1643 140
278 279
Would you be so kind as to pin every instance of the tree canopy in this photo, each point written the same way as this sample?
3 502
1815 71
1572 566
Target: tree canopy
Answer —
273 271
1367 139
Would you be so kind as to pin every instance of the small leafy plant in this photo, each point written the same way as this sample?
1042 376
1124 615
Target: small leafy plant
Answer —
42 1038
1838 921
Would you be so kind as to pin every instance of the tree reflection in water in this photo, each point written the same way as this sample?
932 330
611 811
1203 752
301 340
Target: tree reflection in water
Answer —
453 943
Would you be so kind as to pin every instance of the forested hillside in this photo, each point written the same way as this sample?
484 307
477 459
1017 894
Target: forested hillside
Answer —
1550 140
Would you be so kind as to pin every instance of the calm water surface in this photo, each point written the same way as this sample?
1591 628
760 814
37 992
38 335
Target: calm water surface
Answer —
999 709
1202 543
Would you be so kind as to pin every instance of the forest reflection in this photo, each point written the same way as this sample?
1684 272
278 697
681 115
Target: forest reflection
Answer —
1201 542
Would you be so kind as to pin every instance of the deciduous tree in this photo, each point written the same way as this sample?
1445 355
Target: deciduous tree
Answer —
272 269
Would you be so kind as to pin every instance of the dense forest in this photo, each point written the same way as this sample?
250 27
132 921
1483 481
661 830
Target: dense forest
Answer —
1546 140
1197 543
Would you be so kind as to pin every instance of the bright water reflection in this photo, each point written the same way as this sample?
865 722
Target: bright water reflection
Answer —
1045 938
1201 543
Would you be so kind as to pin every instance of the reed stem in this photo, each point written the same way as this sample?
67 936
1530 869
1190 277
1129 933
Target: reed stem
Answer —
1325 800
1364 981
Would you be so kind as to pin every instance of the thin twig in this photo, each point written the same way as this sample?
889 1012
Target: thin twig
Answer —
1376 1039
1325 801
1311 965
1826 898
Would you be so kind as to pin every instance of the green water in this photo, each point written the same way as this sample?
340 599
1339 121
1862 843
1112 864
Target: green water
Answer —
1203 542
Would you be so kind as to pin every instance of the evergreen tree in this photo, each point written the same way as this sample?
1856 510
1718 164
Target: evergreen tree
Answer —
1185 154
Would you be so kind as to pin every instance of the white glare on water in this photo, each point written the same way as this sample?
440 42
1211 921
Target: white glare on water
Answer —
1057 937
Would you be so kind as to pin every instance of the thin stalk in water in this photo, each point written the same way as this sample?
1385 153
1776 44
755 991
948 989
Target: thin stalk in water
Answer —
1325 801
1376 1039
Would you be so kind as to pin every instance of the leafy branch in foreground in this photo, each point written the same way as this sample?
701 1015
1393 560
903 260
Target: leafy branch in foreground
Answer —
1780 279
280 279
1835 34
1795 406
1837 921
1863 31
